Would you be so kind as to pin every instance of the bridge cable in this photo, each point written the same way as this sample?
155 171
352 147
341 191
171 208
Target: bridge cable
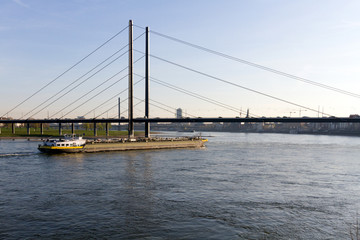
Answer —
66 71
117 81
206 99
115 117
73 102
152 104
168 107
235 84
120 103
76 80
174 109
197 96
122 111
328 87
84 76
79 83
94 90
108 88
158 106
112 98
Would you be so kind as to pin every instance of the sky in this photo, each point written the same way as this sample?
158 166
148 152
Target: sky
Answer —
313 40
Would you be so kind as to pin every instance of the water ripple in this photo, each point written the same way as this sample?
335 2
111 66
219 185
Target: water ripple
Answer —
243 186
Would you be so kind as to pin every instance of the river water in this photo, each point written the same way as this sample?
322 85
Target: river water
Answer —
241 186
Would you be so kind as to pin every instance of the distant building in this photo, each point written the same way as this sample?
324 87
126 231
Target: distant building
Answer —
179 113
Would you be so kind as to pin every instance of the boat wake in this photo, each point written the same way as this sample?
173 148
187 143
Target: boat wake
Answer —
19 154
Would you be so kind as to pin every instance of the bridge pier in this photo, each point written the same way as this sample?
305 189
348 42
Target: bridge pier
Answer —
28 128
119 113
72 128
60 129
107 129
13 128
95 130
41 128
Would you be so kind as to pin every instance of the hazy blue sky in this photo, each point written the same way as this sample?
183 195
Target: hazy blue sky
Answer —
317 40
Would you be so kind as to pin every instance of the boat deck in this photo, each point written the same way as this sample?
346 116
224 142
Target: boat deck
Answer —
143 145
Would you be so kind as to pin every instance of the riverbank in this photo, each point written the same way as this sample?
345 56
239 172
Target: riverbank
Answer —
21 133
325 133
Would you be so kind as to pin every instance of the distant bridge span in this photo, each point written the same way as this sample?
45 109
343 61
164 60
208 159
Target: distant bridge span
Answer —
168 120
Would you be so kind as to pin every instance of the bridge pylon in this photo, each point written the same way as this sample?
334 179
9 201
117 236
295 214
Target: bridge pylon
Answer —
131 91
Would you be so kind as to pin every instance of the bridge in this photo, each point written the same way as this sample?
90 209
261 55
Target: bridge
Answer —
130 120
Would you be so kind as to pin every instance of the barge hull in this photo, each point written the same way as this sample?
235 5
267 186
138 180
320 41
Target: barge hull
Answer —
45 149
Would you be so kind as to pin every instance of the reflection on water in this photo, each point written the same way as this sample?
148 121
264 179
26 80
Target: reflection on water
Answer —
66 158
138 185
247 186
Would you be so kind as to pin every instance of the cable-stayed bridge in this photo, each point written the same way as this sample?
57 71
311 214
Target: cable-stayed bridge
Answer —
62 114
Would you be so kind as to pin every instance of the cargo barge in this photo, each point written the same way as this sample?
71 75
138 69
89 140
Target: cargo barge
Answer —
145 144
73 144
